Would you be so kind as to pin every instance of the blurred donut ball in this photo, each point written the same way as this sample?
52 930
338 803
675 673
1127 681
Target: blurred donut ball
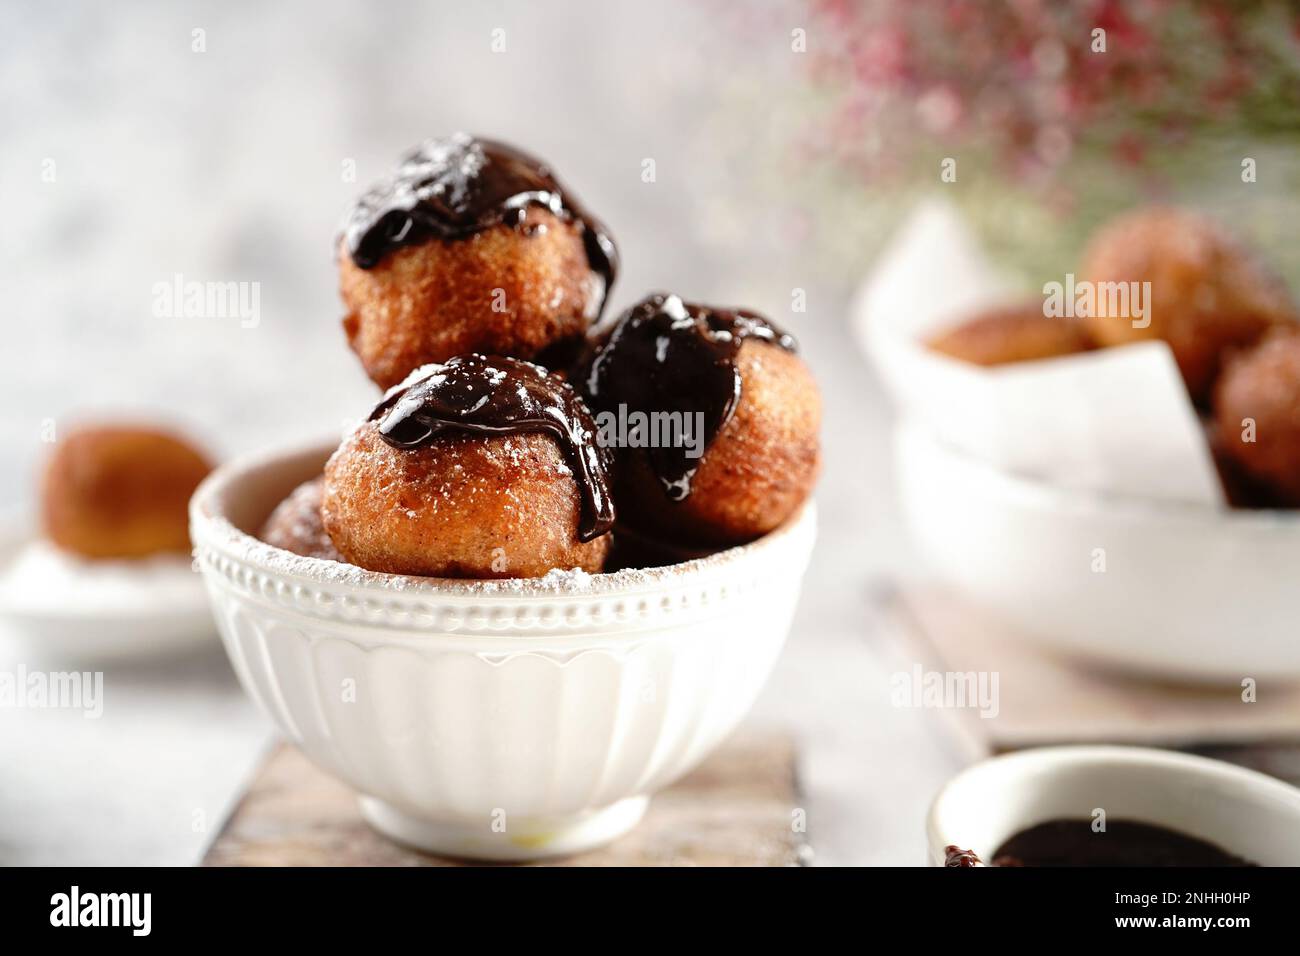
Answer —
1208 294
1257 414
1014 333
118 491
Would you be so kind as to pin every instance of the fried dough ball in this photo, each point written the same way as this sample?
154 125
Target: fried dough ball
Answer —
1257 415
1240 490
118 491
295 525
757 472
462 506
471 245
1208 294
499 292
713 419
1005 334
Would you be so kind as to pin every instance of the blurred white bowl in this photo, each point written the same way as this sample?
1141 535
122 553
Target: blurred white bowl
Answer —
1249 814
1187 592
59 608
515 720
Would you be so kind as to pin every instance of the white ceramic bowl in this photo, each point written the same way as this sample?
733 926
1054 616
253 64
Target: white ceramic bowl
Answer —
498 721
1187 592
1247 813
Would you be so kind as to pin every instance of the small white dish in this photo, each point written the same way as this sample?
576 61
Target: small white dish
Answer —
1187 592
1248 814
492 720
55 606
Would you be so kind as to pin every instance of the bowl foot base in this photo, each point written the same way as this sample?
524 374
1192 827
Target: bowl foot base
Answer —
533 838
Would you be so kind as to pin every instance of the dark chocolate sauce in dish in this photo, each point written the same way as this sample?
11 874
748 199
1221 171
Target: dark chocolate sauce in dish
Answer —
666 355
493 395
454 187
1123 843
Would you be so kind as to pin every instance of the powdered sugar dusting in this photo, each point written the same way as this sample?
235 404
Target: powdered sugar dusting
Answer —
574 579
41 578
282 564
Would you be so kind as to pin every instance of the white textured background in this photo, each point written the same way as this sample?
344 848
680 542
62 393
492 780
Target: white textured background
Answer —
226 165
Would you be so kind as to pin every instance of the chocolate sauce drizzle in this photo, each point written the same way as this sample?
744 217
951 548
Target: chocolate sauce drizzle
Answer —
493 395
455 187
957 858
666 355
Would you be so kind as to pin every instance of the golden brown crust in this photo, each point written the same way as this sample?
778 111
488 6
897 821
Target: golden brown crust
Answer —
1263 386
295 525
1014 333
121 492
428 302
1208 294
463 506
760 468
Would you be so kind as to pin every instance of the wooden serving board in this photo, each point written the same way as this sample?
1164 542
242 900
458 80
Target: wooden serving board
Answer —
736 809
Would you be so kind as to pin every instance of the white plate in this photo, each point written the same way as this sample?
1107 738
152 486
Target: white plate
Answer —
56 607
1188 592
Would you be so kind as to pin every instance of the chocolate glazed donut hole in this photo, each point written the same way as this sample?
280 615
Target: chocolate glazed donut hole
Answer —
736 376
472 246
481 467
